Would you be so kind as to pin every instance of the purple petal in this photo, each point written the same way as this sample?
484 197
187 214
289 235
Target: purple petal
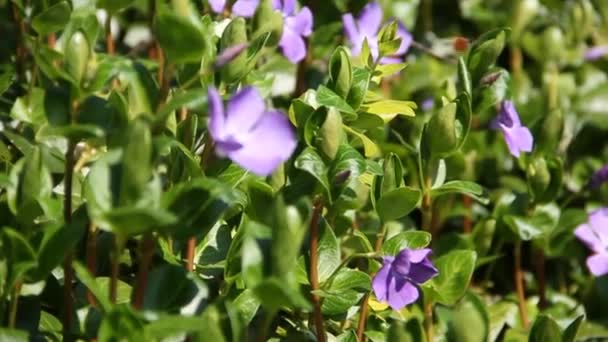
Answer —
229 53
289 6
301 23
391 60
269 144
596 52
277 5
598 264
216 114
217 6
350 30
370 19
244 110
402 295
599 177
518 139
598 220
508 115
423 271
418 255
381 281
245 8
406 39
589 237
292 46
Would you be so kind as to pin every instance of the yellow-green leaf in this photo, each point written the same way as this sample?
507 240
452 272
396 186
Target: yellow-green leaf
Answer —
369 147
389 109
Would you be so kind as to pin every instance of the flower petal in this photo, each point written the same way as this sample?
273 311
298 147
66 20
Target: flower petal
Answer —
350 28
289 6
598 220
245 8
370 19
406 39
589 237
508 115
381 281
423 271
244 110
269 144
216 114
217 6
598 264
518 139
301 23
402 295
292 46
596 52
417 255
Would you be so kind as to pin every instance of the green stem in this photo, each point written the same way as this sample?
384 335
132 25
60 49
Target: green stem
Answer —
68 272
428 321
314 276
119 244
12 318
519 285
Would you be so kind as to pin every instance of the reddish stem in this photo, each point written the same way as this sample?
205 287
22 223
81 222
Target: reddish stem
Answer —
519 285
147 251
190 249
68 272
314 262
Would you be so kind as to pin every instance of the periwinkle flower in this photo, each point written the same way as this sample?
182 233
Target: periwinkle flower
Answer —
398 280
366 26
242 8
229 54
518 137
296 26
596 52
599 177
594 234
254 138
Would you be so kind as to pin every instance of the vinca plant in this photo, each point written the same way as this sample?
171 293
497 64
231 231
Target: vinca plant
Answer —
300 170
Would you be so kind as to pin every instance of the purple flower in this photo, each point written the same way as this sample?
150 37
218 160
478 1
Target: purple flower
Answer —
366 26
594 234
596 52
248 134
599 177
398 280
242 8
518 137
296 26
229 54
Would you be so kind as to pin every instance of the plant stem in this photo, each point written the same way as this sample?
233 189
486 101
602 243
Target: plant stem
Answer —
427 207
365 302
541 279
428 321
12 318
519 285
314 276
516 60
427 15
467 222
68 272
91 256
190 249
146 253
109 39
115 267
52 40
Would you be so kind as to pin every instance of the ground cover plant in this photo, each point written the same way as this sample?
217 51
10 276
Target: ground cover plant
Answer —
284 170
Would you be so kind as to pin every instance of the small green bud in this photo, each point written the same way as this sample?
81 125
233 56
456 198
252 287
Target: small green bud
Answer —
393 173
553 43
267 19
235 33
77 55
539 177
340 72
331 133
441 131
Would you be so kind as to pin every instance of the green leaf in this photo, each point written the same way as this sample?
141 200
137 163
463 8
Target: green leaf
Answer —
310 162
544 329
328 98
572 329
467 188
455 272
14 335
87 279
484 52
273 294
193 100
389 109
358 89
370 148
113 6
130 221
343 291
469 312
538 224
397 203
328 252
52 19
173 326
410 331
137 160
412 239
179 38
170 288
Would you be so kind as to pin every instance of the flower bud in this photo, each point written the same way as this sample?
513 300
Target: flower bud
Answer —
553 43
234 34
77 55
544 178
441 131
267 19
330 134
340 72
